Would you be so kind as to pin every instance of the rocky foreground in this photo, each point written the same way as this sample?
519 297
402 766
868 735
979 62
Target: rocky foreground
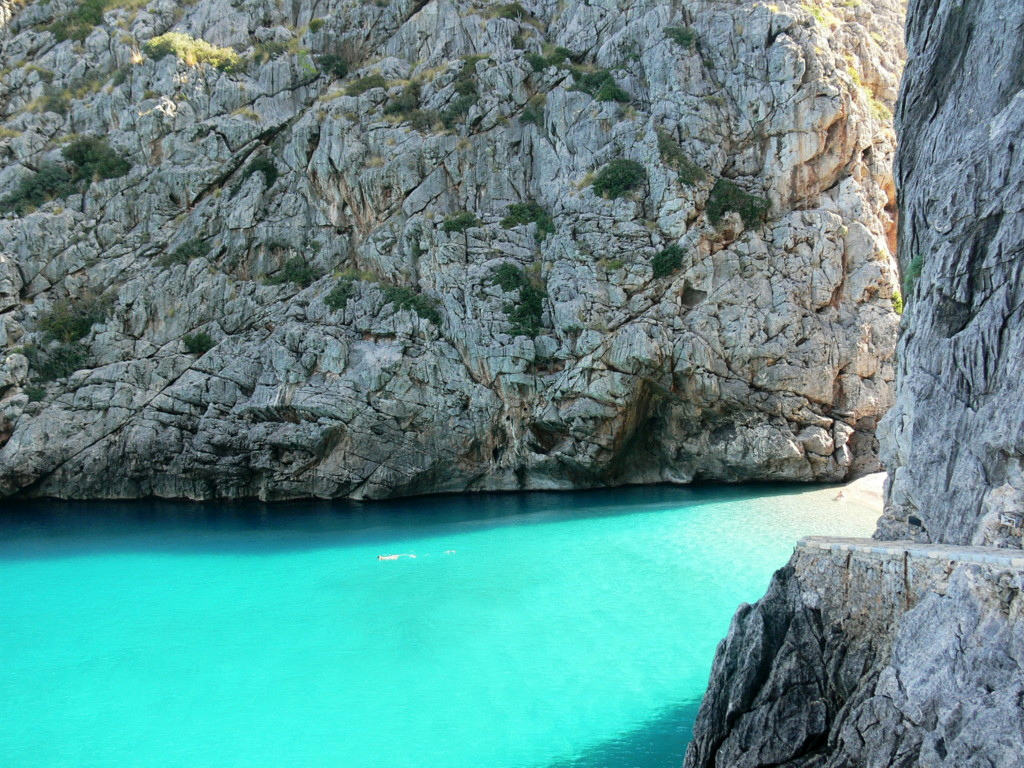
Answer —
908 653
370 249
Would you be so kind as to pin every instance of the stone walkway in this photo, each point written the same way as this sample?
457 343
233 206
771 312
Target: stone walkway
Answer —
1013 558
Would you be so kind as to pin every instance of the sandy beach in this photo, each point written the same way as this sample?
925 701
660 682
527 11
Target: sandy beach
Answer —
860 499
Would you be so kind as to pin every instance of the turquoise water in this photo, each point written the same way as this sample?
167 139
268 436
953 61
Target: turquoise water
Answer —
560 630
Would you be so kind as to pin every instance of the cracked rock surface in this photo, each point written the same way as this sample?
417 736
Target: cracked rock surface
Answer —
309 282
855 659
866 660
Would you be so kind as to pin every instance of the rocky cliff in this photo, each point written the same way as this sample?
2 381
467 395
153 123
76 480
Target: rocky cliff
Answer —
376 248
909 654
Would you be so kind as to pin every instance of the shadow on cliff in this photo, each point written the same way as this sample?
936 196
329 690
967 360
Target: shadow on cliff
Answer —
645 746
45 528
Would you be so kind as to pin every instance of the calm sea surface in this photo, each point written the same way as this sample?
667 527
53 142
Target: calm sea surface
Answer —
529 630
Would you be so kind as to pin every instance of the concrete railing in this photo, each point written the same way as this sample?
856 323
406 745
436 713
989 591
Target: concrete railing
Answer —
1011 558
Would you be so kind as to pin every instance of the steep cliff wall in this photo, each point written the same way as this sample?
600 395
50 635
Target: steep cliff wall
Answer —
892 657
312 282
871 657
954 443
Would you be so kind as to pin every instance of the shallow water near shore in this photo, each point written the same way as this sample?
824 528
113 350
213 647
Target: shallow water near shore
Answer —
571 630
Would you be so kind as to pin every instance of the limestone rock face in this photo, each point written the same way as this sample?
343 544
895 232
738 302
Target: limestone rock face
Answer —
309 281
954 443
871 660
856 659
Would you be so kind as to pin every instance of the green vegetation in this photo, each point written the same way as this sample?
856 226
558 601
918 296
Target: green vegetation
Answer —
67 322
184 253
77 24
296 271
50 182
526 314
335 66
618 178
682 36
911 273
510 11
673 156
459 222
533 112
35 392
527 213
192 51
341 293
406 105
54 100
465 87
272 49
364 84
897 302
406 298
600 84
93 159
198 343
264 165
315 25
537 62
556 57
70 320
728 196
667 261
881 112
422 119
56 361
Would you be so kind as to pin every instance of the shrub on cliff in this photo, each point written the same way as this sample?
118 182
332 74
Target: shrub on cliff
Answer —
338 297
910 275
77 24
72 319
525 315
364 84
333 65
265 166
673 156
192 51
184 253
198 343
93 159
682 36
533 112
406 298
459 222
57 360
601 85
528 213
728 196
50 182
618 178
513 11
296 271
406 101
667 261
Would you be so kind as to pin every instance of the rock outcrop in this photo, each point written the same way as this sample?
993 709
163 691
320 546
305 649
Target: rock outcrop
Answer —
359 251
957 475
863 658
873 659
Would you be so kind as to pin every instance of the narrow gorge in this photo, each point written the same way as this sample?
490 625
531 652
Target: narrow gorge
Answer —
373 249
909 650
